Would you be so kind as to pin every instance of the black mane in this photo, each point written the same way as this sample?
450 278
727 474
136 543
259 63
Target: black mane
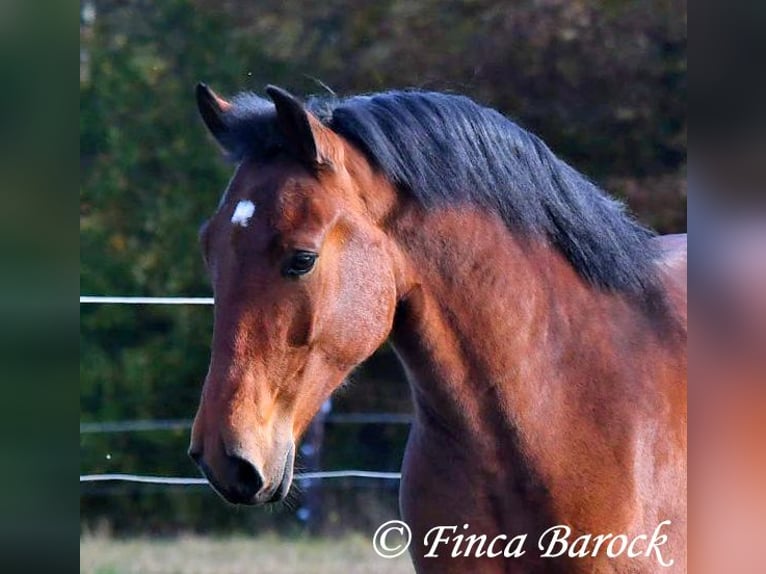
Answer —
444 148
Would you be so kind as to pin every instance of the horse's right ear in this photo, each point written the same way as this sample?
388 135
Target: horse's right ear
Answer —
212 107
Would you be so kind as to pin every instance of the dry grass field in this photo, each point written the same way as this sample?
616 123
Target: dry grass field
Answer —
235 555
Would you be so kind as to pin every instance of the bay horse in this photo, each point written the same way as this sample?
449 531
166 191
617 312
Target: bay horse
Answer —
542 329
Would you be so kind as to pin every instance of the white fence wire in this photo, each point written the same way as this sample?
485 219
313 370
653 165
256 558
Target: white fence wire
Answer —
91 299
150 425
108 427
184 481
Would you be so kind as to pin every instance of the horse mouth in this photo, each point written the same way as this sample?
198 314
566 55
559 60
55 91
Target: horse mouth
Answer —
287 477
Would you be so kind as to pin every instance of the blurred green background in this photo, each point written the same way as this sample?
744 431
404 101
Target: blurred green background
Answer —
603 83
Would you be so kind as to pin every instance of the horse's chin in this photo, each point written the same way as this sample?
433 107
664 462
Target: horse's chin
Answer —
258 500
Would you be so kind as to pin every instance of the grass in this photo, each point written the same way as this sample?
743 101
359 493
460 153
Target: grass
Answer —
235 555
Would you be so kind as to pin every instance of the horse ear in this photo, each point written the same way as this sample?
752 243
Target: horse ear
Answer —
212 107
297 125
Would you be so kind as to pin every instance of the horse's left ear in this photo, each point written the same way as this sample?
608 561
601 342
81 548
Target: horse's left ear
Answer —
304 133
212 108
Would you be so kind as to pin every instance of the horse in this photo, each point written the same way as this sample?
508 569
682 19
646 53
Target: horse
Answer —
542 329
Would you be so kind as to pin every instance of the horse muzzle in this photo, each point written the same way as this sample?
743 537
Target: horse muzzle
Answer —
239 480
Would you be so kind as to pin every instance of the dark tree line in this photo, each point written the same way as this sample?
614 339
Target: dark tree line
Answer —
604 83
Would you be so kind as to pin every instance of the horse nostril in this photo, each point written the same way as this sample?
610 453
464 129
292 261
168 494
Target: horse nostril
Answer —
247 478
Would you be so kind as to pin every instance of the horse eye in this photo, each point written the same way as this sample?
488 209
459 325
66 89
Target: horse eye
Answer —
299 263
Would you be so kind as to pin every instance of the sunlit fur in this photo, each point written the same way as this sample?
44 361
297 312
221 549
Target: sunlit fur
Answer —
507 286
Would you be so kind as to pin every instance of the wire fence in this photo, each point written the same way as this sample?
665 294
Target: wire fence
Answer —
110 300
189 481
183 424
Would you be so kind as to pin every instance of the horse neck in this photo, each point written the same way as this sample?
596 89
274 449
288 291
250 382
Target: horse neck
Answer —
499 334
